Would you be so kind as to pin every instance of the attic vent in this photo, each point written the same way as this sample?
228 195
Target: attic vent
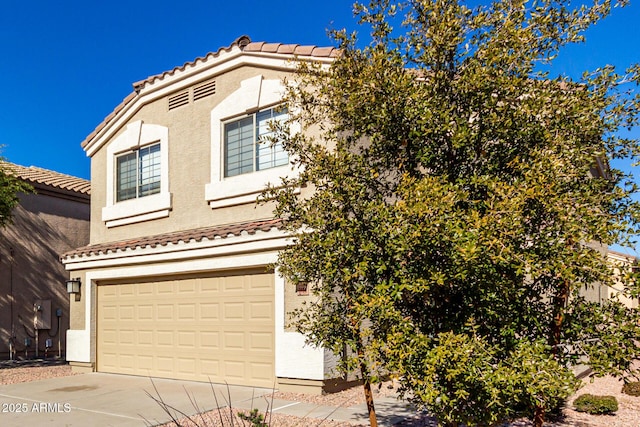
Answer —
204 90
178 100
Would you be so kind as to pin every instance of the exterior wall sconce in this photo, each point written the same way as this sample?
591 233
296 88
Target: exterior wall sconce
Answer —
73 286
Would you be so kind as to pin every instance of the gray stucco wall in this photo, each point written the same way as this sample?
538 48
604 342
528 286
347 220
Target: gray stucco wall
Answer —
44 226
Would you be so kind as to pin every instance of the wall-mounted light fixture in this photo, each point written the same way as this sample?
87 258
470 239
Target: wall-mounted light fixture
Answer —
73 286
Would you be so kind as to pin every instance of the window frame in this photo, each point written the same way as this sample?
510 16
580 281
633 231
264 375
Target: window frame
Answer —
136 135
257 134
253 94
138 171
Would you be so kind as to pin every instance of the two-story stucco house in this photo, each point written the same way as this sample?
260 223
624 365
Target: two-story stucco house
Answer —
175 282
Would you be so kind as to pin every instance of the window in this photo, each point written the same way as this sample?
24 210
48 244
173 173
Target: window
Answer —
138 173
246 144
236 150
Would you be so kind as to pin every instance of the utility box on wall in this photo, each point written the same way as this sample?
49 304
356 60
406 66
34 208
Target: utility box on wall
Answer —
42 313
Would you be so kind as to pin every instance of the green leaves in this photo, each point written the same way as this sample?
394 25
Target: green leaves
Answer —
464 380
455 205
10 189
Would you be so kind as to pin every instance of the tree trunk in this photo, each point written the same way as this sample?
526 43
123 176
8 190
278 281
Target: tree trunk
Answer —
373 420
368 395
538 417
560 302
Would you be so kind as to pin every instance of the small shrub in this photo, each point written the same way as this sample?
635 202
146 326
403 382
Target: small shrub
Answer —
254 418
596 405
632 388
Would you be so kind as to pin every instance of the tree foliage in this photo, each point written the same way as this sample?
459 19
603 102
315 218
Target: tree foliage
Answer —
457 201
10 189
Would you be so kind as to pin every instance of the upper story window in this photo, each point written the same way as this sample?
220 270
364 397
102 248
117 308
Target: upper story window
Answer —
138 173
247 147
243 158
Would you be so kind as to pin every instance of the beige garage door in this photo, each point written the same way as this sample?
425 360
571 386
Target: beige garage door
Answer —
204 328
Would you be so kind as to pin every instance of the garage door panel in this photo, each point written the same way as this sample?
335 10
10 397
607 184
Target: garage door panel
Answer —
165 365
165 288
233 341
210 367
208 286
187 311
186 365
210 328
261 342
187 340
186 288
126 290
165 339
164 312
210 341
234 283
260 311
208 311
235 369
261 371
233 311
126 337
144 313
145 339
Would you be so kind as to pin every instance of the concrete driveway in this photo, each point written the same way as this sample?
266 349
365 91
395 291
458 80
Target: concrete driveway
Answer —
99 399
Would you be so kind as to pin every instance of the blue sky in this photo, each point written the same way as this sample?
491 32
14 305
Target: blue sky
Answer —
65 65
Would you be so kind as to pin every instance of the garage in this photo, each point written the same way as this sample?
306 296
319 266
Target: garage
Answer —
210 328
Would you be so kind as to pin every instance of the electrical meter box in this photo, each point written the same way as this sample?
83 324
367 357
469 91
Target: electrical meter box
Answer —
42 313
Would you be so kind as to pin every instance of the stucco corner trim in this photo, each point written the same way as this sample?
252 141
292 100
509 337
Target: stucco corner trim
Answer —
78 345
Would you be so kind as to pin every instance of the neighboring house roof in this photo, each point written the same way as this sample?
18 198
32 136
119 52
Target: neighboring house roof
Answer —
244 43
622 256
42 178
197 235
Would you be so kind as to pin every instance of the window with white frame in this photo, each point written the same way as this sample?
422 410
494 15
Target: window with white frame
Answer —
243 157
247 144
138 173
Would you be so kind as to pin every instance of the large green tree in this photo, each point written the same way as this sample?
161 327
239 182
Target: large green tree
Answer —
457 202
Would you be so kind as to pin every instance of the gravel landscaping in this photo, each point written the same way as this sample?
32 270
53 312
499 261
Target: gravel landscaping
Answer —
20 372
628 414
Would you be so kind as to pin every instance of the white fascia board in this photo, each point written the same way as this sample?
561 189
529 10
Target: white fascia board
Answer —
219 247
184 79
174 267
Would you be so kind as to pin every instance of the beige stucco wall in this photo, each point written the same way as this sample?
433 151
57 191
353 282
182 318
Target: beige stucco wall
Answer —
44 227
190 162
189 166
621 263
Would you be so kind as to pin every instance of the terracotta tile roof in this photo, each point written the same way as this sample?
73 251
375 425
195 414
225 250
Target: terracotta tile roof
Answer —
244 43
209 233
34 175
